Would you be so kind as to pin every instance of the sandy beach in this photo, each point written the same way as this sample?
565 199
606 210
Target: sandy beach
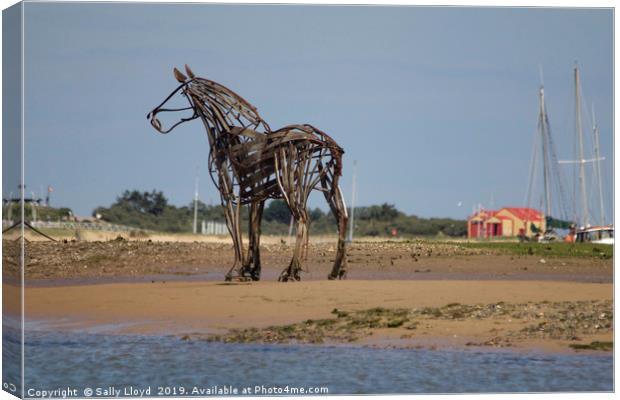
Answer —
403 294
198 309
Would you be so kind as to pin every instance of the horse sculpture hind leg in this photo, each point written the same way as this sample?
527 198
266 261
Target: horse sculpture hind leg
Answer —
292 162
333 195
299 170
334 198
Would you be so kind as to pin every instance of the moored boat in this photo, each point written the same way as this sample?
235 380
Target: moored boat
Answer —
595 234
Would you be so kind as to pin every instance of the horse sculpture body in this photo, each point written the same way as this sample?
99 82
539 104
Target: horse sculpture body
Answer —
249 163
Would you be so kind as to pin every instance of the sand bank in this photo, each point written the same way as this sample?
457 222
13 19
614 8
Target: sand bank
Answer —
201 308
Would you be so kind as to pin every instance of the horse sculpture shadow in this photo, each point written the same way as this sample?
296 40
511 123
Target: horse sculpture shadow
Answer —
249 163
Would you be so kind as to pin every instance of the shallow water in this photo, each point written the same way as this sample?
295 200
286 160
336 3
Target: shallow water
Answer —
87 360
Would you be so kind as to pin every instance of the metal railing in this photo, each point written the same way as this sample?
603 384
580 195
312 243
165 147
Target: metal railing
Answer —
207 228
214 228
72 225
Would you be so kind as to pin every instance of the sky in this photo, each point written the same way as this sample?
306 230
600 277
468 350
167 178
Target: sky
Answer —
438 106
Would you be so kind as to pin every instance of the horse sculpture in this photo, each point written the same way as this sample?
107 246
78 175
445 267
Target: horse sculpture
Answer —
249 163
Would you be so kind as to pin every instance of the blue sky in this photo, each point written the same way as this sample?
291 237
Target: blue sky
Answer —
437 105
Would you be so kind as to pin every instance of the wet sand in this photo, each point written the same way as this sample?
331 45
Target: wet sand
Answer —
195 309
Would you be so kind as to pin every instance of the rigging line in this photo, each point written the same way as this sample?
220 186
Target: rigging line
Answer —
592 194
601 194
556 170
528 192
535 179
597 166
589 113
552 177
551 174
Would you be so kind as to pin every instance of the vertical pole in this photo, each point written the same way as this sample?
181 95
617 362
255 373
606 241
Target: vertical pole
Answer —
597 165
195 227
10 210
545 142
352 217
481 226
582 174
33 205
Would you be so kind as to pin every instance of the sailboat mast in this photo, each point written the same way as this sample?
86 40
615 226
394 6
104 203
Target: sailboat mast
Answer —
579 131
543 133
597 166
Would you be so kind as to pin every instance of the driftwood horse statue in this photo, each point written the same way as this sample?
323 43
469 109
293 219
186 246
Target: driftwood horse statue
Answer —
249 163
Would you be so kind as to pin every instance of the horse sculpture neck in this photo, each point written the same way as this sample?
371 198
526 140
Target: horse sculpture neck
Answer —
221 109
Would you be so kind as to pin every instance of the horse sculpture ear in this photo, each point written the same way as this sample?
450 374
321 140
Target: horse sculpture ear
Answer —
190 73
179 76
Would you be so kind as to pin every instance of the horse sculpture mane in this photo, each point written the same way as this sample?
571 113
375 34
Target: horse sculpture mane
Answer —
249 163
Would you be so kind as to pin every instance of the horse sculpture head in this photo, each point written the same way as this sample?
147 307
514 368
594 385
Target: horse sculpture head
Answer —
220 108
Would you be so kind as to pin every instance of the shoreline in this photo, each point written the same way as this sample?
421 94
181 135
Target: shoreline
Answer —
271 276
198 310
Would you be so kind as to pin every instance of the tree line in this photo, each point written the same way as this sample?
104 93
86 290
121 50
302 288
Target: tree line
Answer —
152 211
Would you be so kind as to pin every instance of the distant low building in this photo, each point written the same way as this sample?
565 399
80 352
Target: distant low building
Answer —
505 222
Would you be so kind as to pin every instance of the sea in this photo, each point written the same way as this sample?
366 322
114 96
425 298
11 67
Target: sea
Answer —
61 364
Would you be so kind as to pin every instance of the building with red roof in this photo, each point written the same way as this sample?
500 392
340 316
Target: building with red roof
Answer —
505 222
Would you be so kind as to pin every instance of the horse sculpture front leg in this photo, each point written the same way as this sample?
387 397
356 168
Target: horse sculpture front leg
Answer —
233 219
252 263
